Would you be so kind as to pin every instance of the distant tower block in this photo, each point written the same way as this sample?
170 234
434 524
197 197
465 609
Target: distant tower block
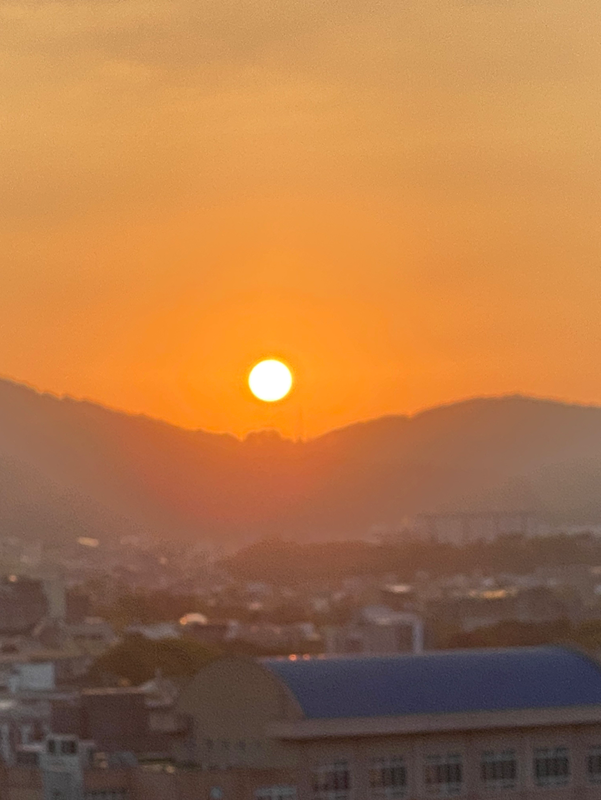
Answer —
461 528
54 588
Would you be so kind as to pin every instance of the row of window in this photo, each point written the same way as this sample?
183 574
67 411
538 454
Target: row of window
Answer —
276 793
66 747
107 794
443 775
222 754
226 745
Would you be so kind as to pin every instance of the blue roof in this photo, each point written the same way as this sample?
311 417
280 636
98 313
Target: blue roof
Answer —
441 682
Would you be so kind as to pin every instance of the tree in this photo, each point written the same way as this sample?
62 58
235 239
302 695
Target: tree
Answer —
137 659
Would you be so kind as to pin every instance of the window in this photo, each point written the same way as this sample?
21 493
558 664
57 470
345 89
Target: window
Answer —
388 778
68 747
593 765
276 793
551 766
499 770
51 746
332 781
443 775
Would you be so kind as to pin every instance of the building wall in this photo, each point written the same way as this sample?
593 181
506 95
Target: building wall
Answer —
238 784
147 784
470 745
230 703
374 639
34 676
243 783
106 784
18 783
116 720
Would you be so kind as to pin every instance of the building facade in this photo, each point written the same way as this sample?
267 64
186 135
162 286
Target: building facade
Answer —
376 630
520 723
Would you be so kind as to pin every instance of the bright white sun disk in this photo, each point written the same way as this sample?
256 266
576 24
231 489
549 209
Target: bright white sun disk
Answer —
270 380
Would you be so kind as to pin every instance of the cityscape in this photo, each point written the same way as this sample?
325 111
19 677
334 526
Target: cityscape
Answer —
141 668
300 407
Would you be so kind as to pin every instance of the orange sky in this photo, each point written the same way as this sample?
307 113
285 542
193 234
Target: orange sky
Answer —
402 200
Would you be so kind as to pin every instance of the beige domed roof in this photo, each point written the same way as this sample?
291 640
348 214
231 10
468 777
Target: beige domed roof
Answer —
194 618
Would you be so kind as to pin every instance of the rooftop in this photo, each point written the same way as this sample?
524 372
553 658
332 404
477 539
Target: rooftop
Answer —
442 682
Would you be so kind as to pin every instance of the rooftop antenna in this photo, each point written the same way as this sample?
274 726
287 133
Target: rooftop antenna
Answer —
300 433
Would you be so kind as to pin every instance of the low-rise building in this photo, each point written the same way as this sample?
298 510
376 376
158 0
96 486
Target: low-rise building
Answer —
141 721
376 630
64 768
463 723
522 724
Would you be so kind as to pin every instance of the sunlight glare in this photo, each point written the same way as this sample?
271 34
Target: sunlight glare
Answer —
270 380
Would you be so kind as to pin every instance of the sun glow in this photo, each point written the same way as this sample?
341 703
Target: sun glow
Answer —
270 380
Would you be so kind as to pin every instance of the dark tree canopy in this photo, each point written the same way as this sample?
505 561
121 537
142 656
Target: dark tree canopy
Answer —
137 659
284 562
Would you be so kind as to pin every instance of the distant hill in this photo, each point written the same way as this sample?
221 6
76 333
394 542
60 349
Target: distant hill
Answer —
70 468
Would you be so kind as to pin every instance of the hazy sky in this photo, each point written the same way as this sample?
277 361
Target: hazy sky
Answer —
400 198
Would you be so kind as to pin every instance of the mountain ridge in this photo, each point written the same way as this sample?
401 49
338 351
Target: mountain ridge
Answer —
71 467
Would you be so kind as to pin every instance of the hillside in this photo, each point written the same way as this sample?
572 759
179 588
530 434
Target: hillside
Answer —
68 467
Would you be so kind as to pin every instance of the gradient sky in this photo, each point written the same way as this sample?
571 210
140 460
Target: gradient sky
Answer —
401 199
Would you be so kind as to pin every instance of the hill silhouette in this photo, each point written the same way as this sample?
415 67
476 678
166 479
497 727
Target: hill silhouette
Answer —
71 468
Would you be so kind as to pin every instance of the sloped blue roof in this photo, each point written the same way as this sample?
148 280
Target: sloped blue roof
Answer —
440 682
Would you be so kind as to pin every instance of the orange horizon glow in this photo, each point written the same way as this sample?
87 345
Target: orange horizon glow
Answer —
401 201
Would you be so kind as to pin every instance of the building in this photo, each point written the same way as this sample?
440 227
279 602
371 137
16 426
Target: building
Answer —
525 722
141 721
376 630
520 724
92 635
488 607
63 665
63 768
463 527
197 626
30 782
28 692
295 637
23 605
155 630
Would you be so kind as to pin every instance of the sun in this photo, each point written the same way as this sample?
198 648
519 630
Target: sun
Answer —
270 380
